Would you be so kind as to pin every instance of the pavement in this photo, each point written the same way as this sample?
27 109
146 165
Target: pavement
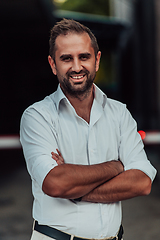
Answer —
141 215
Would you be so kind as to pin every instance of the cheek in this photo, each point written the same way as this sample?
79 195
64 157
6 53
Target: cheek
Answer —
63 68
90 66
93 69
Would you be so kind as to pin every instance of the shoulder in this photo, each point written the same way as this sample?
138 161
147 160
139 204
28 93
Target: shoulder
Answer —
118 112
108 103
115 106
42 110
115 103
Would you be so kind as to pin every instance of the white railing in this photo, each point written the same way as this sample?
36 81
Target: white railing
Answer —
10 142
150 137
13 142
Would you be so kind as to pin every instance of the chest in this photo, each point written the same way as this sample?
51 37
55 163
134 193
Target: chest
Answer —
82 143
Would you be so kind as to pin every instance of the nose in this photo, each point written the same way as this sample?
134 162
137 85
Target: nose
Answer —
76 66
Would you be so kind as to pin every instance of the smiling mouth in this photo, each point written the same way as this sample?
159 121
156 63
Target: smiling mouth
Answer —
77 77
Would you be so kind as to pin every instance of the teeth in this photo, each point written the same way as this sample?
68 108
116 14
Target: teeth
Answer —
77 77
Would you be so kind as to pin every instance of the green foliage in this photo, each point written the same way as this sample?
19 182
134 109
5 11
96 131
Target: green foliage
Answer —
100 7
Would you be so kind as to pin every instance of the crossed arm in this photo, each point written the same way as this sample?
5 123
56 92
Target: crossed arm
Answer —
103 183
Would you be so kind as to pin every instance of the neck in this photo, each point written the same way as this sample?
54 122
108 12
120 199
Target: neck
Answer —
83 104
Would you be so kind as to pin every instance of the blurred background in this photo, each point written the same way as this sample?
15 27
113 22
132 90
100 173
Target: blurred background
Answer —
128 33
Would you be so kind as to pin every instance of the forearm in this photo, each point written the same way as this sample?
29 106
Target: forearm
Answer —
126 185
73 181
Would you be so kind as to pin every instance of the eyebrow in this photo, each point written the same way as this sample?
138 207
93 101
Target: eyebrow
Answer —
84 54
63 56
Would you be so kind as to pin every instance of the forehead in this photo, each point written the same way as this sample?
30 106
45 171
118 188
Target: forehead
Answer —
73 43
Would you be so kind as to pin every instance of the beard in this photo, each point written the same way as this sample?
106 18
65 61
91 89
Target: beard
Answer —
77 90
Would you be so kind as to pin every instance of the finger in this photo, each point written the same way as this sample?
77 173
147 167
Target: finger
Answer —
55 156
59 152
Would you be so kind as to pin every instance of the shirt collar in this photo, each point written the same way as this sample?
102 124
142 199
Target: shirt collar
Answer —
58 96
99 96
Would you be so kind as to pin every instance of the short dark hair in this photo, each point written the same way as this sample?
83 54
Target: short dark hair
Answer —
66 26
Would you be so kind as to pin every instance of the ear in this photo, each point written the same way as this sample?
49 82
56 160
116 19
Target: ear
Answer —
98 57
52 65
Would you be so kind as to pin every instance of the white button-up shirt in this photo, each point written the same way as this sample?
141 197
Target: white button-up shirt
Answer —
111 134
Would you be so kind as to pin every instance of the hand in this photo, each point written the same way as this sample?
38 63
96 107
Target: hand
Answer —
58 157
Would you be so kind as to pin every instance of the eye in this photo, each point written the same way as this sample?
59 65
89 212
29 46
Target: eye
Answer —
67 59
85 57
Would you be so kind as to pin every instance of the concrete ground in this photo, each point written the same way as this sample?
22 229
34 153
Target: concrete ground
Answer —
141 215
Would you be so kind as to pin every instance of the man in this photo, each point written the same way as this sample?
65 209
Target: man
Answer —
82 149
